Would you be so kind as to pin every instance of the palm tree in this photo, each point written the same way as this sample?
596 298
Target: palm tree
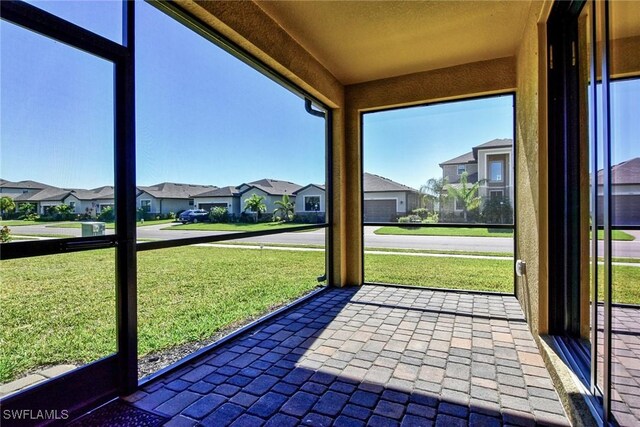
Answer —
435 190
255 203
285 207
466 195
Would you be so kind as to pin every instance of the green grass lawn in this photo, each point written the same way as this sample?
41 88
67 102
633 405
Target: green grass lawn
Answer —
61 308
474 232
445 231
234 227
20 222
110 225
440 272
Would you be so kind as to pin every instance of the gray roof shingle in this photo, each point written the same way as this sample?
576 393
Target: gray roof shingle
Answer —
377 183
624 173
172 190
228 191
273 187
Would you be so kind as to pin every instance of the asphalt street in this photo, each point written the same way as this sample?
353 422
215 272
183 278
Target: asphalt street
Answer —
317 237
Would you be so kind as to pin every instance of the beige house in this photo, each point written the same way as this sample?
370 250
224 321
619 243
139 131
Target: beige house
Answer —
491 164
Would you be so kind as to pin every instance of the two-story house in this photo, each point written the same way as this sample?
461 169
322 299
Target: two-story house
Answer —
490 163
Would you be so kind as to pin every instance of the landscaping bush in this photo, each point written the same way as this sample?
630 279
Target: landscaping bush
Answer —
421 212
497 210
171 215
107 214
26 211
409 219
431 218
218 214
5 234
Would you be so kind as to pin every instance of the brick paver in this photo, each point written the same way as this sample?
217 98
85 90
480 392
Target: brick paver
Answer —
372 356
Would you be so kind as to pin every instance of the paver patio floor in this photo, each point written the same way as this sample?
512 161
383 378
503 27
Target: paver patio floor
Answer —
375 355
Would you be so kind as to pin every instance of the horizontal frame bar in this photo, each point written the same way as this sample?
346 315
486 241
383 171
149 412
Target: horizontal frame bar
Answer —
52 26
440 225
55 246
164 244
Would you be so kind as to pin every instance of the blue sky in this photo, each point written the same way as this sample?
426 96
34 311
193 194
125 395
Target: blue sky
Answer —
204 117
423 137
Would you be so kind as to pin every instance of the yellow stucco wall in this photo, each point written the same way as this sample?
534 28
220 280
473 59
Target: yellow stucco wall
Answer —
531 169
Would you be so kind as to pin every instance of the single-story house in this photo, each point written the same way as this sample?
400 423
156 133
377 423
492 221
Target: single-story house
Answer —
90 201
271 189
311 203
386 200
14 189
81 201
166 197
226 197
625 190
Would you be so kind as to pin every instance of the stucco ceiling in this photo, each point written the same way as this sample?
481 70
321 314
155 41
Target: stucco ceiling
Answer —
359 41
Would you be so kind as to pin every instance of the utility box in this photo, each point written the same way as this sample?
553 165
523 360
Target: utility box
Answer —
93 229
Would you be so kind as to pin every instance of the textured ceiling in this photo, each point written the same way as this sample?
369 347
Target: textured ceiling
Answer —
359 41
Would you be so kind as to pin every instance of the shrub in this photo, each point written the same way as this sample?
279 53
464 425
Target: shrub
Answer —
26 211
5 234
409 219
219 214
421 212
171 215
107 214
497 210
431 218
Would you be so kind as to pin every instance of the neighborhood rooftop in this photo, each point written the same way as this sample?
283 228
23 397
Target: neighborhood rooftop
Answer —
472 156
372 182
624 173
172 190
273 187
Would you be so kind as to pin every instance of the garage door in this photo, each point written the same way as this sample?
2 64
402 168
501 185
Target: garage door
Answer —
626 209
208 206
380 210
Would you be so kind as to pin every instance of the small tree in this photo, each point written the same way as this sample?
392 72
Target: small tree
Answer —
466 195
6 205
435 190
285 209
256 204
26 211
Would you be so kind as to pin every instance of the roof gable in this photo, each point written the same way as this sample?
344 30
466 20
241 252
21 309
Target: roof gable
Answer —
272 187
377 183
624 173
172 190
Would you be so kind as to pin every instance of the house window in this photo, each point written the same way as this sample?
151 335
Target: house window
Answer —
496 194
312 203
457 205
462 169
72 205
495 171
145 205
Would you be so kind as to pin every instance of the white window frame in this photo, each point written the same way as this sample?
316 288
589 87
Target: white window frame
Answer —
304 202
464 169
142 203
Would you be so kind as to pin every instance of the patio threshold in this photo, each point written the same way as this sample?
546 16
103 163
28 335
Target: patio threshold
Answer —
372 355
